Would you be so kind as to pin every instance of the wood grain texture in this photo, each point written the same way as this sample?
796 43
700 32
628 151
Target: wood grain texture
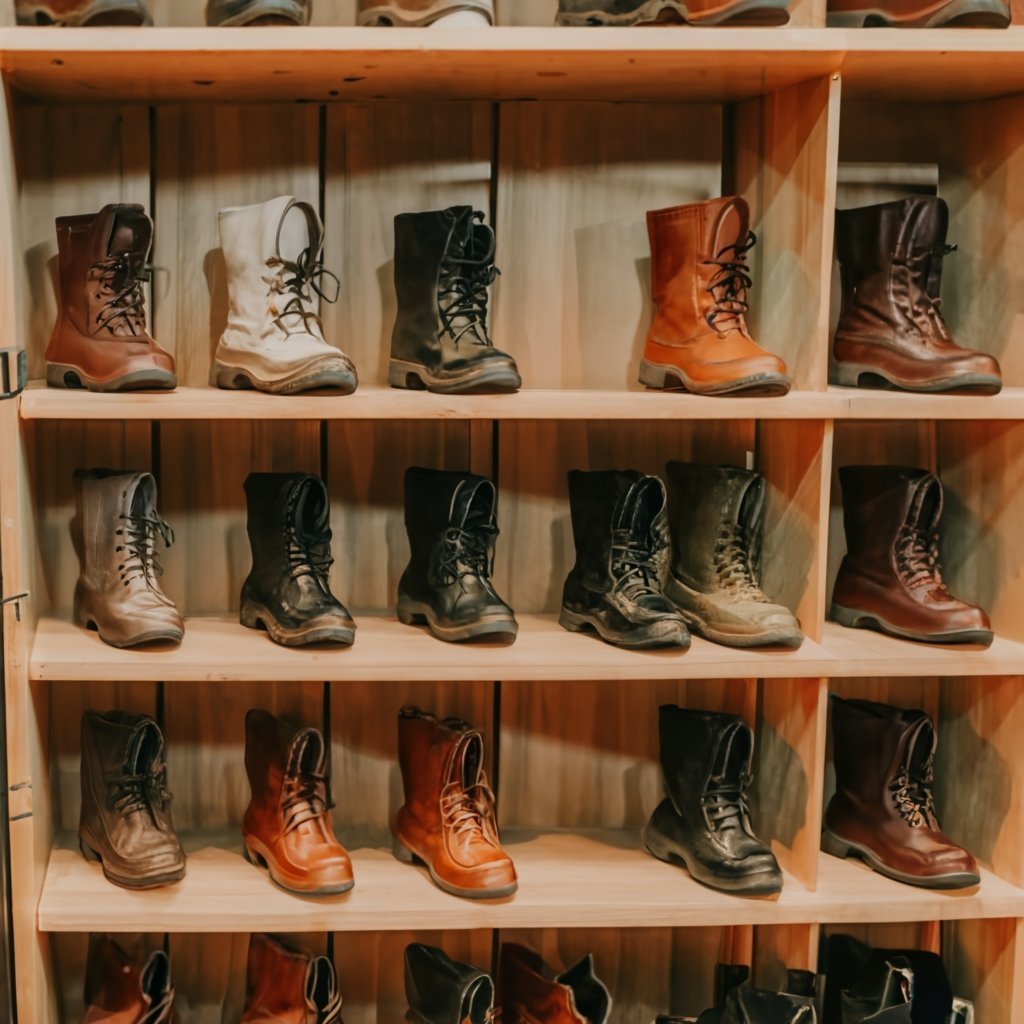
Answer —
984 961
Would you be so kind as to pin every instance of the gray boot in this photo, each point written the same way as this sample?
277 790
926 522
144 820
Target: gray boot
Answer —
232 13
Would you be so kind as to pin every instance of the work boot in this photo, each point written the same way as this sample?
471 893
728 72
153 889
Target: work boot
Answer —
672 12
620 530
274 338
287 591
447 821
444 264
289 987
918 14
115 529
704 823
118 992
738 1002
891 332
890 579
699 275
225 13
79 13
716 514
287 826
441 990
125 821
100 340
451 524
530 992
883 810
423 13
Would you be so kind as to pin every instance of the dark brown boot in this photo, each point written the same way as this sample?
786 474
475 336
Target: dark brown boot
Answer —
288 987
118 992
441 990
530 992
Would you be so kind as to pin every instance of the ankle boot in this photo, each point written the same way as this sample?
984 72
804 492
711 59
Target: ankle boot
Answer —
274 338
891 332
699 338
78 13
118 992
226 13
114 531
125 821
287 827
704 823
890 579
288 592
289 987
620 530
531 993
451 524
738 1002
100 340
443 991
444 264
421 13
672 12
883 810
716 514
447 821
923 14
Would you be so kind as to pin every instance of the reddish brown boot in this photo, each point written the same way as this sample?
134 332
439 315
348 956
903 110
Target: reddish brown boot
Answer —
288 987
529 992
447 821
118 992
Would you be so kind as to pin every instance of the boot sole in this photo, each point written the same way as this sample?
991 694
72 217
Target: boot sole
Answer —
857 375
966 13
868 620
767 385
414 377
238 378
156 882
395 16
268 12
64 375
408 856
122 14
412 613
256 616
174 636
654 636
261 861
843 848
744 12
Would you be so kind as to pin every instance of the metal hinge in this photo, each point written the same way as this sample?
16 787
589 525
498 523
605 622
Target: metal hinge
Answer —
12 384
16 600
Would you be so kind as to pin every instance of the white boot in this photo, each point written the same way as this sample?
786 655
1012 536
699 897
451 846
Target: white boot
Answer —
421 13
274 338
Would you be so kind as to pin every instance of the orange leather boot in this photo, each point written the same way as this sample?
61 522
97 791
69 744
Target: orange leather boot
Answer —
287 826
700 277
529 992
288 987
447 821
118 992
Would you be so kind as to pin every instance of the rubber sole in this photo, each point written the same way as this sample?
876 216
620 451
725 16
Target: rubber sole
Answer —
858 375
100 12
260 860
768 385
658 635
491 376
869 620
394 16
174 636
256 616
843 848
964 13
268 12
64 375
238 378
408 856
742 12
413 613
156 882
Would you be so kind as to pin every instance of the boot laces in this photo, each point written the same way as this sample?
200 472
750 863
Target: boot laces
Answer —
734 562
917 556
120 287
913 796
140 533
725 802
308 553
156 785
462 291
633 567
728 287
303 798
468 811
925 308
466 553
130 793
298 281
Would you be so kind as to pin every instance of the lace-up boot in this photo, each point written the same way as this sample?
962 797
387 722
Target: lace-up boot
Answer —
115 533
699 274
890 579
883 810
441 990
118 992
621 533
704 823
530 992
231 13
287 826
716 514
125 820
274 339
738 1002
444 264
289 987
79 13
423 13
891 331
451 524
288 592
672 12
100 340
447 821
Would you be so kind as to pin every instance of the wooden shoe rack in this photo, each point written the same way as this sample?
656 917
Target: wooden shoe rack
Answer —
566 137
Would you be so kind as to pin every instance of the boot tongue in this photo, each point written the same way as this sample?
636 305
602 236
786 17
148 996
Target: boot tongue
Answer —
728 772
143 748
467 761
322 995
142 496
460 239
309 508
730 228
477 1000
305 756
590 995
155 983
925 503
129 230
637 508
472 504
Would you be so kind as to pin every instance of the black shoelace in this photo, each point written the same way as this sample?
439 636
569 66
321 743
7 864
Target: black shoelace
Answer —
466 553
120 287
633 567
728 287
725 802
303 798
462 292
130 793
140 533
299 280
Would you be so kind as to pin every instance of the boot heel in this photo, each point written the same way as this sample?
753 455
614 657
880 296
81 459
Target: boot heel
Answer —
831 843
572 622
88 852
401 851
253 857
847 375
845 616
410 615
405 375
652 376
250 617
657 845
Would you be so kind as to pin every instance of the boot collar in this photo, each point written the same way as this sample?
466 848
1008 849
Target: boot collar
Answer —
441 990
473 499
574 994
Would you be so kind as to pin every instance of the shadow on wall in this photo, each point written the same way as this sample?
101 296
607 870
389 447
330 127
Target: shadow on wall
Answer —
216 274
778 796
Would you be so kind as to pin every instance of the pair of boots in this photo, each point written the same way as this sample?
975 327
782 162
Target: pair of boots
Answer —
77 13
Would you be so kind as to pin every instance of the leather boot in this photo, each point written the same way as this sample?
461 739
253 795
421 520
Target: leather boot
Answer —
287 826
274 338
288 987
672 12
918 14
738 1002
530 992
891 332
287 591
78 13
704 823
100 340
444 264
716 515
125 821
451 524
890 579
421 13
699 274
224 13
620 530
114 531
441 990
883 810
447 821
118 992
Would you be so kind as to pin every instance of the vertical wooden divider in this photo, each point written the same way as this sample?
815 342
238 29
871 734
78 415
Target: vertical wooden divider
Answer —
782 947
986 965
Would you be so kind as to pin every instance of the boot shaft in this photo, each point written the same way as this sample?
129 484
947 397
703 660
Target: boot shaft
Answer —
290 987
529 992
441 990
278 754
119 743
116 989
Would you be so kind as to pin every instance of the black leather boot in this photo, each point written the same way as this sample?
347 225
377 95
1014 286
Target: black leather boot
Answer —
441 990
704 823
444 263
287 592
620 529
447 584
738 1002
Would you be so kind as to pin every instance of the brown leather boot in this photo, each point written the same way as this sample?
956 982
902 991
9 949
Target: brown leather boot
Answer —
125 821
100 340
883 810
890 579
700 277
77 13
529 992
118 992
672 12
420 13
918 14
287 826
288 987
891 332
447 821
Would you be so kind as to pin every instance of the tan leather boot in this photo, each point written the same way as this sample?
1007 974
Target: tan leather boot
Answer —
420 13
447 821
118 992
287 826
700 277
77 13
672 12
529 992
288 987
